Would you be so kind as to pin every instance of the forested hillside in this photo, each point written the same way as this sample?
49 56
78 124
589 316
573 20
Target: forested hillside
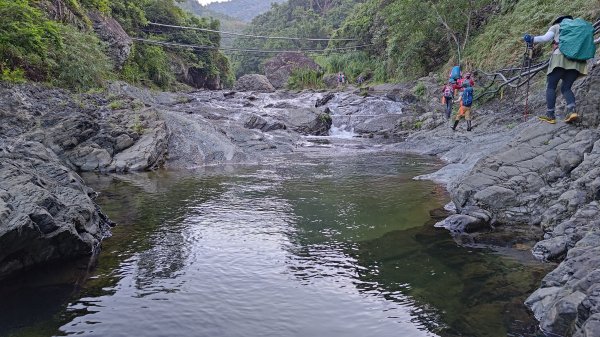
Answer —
74 44
295 18
412 38
408 38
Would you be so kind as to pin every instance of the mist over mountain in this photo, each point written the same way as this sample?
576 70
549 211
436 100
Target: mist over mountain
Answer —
245 10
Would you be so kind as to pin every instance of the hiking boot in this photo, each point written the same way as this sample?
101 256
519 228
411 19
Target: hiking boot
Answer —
547 119
572 117
469 126
455 125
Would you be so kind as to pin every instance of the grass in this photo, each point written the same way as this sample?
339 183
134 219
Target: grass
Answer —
420 90
305 79
353 65
116 105
500 43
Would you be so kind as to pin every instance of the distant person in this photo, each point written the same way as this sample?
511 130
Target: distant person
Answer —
448 98
360 80
567 62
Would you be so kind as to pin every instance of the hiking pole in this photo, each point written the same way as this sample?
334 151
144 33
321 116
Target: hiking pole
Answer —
527 58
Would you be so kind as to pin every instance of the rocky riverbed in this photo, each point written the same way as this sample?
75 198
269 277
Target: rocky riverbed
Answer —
510 179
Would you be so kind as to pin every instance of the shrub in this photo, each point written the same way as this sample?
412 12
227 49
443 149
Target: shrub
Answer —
25 39
81 63
12 76
305 78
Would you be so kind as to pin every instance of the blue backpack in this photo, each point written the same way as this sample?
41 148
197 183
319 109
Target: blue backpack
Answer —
455 74
467 96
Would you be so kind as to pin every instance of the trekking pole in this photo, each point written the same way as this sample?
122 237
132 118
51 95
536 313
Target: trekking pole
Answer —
527 58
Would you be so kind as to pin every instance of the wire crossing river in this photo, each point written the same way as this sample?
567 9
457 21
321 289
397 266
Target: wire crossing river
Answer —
311 246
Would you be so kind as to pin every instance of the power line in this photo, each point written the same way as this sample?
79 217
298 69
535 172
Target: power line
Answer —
202 47
248 35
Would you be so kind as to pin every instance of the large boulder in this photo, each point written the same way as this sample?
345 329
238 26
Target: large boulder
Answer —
279 68
254 82
308 121
46 212
111 32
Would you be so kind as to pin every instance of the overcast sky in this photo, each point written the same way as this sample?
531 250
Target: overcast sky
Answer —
204 2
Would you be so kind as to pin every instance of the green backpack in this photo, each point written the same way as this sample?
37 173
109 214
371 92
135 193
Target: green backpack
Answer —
576 39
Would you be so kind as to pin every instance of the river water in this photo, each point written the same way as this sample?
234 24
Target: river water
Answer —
312 245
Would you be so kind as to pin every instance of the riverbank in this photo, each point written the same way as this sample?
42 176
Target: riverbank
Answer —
507 176
527 177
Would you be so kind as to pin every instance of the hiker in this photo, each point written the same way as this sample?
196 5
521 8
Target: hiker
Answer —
448 98
467 81
455 75
565 64
466 101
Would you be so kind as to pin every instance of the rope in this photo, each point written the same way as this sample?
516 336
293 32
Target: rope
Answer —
201 47
248 35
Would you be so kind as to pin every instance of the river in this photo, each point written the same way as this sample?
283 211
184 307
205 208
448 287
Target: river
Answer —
325 242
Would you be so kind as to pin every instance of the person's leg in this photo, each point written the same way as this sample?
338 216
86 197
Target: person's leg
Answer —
568 78
448 107
552 83
468 118
457 119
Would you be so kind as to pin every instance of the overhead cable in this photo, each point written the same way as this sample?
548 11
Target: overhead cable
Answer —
249 35
204 47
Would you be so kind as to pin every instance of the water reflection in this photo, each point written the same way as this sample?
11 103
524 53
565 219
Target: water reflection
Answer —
332 247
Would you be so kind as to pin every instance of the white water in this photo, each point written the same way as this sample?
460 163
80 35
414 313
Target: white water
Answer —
342 132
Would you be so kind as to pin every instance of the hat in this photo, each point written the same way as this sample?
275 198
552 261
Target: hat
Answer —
560 18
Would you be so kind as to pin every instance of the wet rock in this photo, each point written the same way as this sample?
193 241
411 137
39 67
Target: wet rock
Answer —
551 249
46 212
257 122
324 100
279 68
308 121
460 223
254 82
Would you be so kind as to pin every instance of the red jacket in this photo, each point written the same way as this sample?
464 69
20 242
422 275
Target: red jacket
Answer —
459 83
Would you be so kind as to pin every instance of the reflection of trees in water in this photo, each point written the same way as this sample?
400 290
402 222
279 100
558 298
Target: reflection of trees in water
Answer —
471 292
155 208
343 233
148 209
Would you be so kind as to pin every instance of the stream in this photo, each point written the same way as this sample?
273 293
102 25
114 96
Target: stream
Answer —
334 240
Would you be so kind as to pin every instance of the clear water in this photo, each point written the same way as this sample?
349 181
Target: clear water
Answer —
312 246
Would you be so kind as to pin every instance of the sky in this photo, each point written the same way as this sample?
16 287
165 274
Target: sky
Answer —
204 2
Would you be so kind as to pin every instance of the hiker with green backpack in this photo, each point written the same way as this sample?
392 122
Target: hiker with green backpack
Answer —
573 44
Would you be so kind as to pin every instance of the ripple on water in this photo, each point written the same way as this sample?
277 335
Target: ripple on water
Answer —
325 246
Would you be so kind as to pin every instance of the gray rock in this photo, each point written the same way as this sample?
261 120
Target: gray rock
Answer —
46 213
460 223
551 249
324 100
254 82
308 121
111 32
279 68
561 317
